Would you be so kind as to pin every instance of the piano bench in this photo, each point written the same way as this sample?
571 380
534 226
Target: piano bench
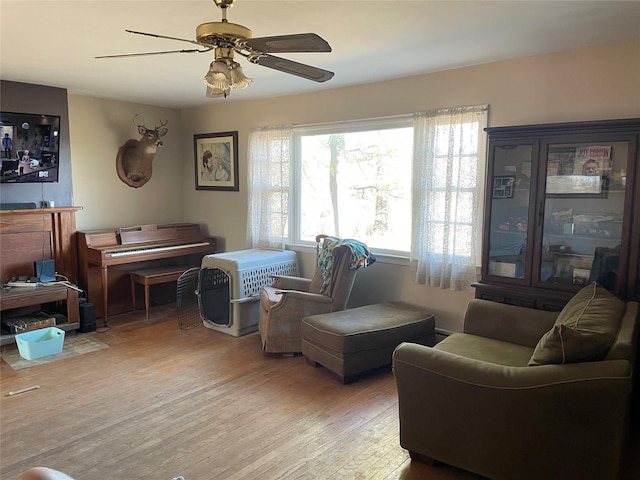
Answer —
153 276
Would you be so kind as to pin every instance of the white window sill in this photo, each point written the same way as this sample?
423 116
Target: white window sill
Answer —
382 258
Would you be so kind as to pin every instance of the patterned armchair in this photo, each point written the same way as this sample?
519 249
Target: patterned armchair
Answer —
289 299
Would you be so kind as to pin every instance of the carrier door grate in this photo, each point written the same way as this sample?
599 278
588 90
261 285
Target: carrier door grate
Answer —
187 300
213 296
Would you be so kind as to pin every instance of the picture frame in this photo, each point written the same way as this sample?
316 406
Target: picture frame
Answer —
581 277
503 186
216 161
563 269
578 172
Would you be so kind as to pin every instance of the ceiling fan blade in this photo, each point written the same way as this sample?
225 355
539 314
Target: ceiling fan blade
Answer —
155 35
294 68
192 50
300 42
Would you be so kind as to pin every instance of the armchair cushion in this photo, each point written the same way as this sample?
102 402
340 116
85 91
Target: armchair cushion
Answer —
585 328
487 350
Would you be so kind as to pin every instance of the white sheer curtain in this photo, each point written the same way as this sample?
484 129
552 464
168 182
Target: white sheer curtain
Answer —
447 195
268 187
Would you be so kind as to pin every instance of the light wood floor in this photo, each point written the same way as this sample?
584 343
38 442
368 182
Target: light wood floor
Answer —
161 402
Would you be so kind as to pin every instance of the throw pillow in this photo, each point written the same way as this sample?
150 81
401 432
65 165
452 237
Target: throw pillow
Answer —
567 345
591 320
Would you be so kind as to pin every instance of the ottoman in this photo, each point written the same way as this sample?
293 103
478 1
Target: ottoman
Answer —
353 341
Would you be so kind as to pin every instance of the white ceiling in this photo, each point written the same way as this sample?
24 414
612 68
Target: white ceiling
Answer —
54 42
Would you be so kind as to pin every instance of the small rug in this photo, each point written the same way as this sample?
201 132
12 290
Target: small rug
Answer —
74 345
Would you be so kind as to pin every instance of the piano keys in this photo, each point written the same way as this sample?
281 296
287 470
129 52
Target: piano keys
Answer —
106 257
129 253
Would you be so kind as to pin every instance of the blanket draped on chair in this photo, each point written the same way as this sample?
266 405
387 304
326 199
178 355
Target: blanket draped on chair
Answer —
361 257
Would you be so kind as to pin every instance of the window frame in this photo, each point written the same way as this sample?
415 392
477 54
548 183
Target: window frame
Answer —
295 172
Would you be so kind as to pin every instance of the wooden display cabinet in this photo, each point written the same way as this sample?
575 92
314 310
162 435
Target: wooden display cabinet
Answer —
558 212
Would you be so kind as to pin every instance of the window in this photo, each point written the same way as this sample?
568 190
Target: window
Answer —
449 168
408 186
354 181
268 187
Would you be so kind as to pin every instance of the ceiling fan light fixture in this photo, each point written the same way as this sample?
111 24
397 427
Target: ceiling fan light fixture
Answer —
224 75
218 76
217 93
238 78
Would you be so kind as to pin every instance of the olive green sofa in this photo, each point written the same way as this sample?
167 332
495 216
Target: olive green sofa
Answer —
492 401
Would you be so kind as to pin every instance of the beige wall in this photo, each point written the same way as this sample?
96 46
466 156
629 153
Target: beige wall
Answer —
589 84
98 128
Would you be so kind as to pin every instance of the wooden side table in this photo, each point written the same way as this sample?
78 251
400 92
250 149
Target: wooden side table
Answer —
26 296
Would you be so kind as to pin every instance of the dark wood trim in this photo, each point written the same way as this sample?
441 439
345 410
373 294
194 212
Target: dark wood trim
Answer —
58 224
628 125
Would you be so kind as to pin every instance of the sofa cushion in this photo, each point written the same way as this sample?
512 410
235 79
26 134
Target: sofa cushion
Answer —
486 349
584 330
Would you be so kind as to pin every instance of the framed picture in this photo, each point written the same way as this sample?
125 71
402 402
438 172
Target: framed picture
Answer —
562 269
216 161
581 277
578 172
593 160
503 186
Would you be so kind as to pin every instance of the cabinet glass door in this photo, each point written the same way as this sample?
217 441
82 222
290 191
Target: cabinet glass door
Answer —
584 203
510 185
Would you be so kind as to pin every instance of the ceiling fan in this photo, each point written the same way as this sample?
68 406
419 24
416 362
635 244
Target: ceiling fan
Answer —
226 38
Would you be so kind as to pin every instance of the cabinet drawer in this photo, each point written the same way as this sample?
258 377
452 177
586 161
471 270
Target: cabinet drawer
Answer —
550 304
528 302
518 300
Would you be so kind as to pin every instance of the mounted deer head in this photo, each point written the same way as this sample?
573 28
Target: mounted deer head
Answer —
134 159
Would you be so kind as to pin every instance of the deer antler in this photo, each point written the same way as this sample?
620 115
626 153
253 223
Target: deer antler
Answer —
162 123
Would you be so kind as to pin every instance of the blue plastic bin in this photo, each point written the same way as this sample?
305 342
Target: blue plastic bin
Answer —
40 343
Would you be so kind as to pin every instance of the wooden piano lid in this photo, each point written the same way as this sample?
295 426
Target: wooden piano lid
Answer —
147 233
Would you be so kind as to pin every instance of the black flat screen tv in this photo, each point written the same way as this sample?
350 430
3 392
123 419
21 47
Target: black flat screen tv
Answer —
30 147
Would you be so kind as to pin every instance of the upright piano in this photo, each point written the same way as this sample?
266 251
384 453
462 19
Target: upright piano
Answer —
106 256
